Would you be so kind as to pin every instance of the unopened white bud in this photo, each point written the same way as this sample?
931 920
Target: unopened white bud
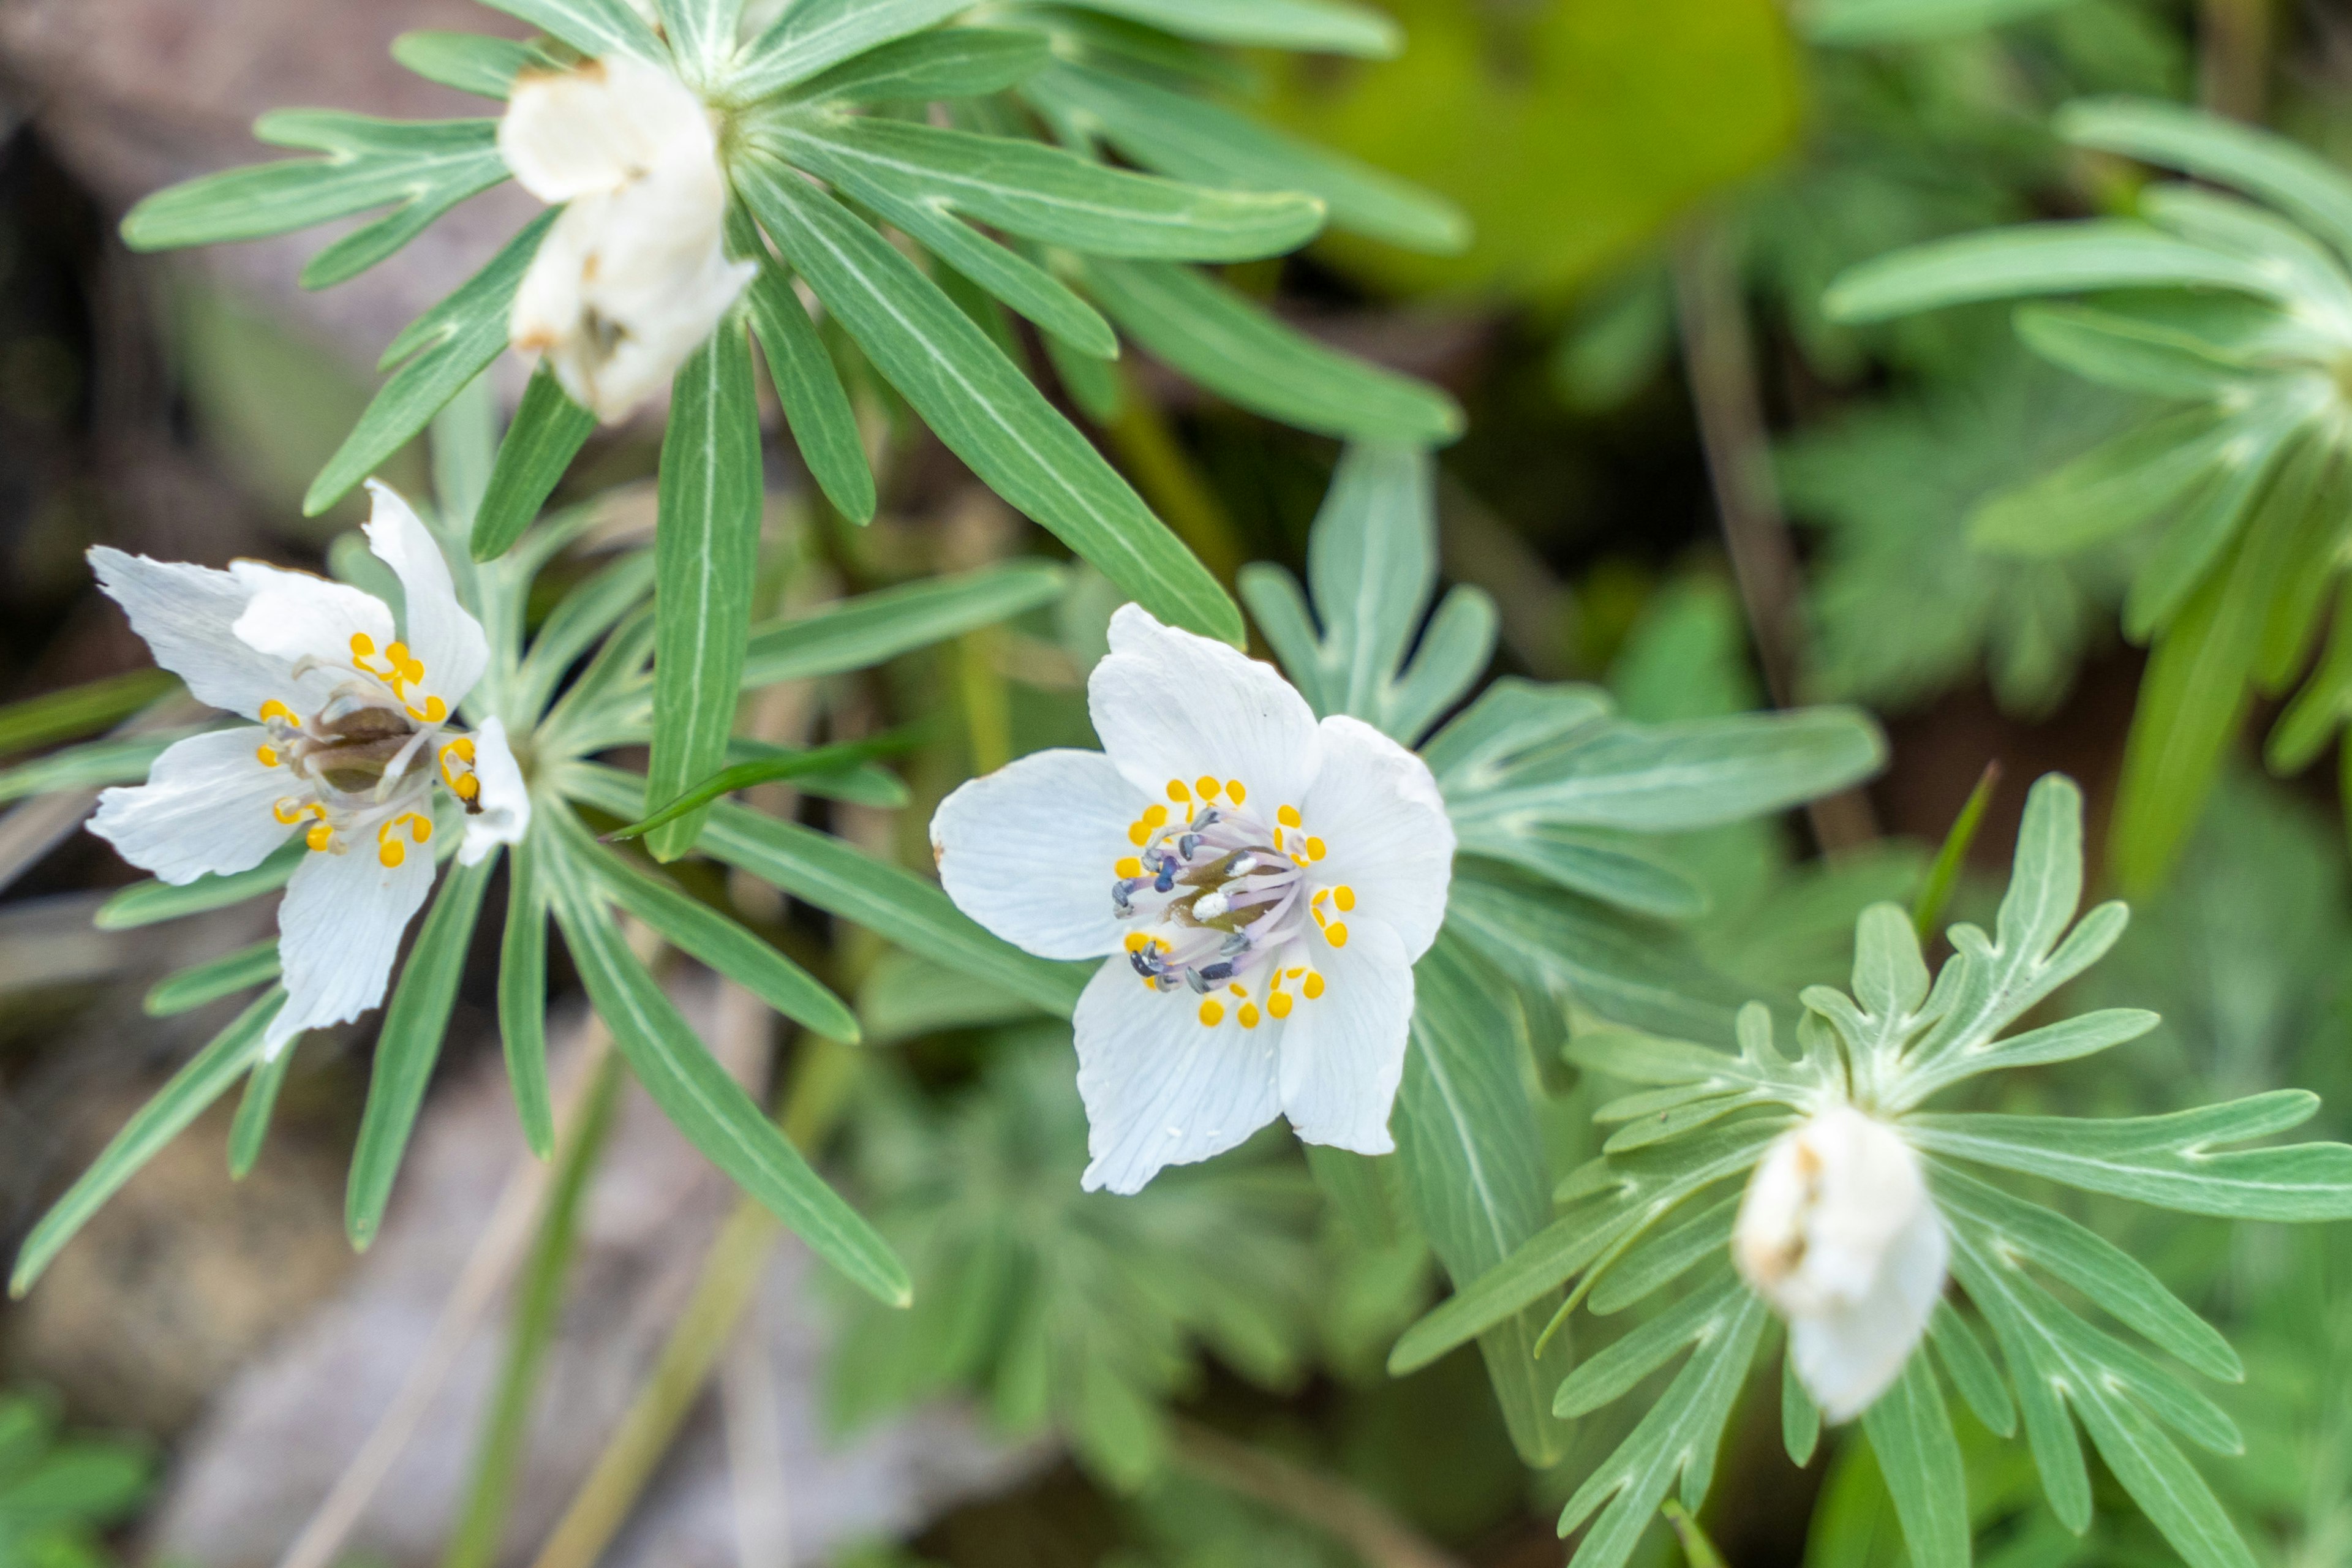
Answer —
1838 1233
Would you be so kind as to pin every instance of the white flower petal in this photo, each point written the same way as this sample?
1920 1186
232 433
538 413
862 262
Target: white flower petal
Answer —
1343 1052
1377 807
204 809
1159 1088
1029 851
571 133
292 616
1851 1354
1171 705
504 800
339 930
440 633
187 614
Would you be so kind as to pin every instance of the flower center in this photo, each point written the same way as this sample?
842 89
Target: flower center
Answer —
1220 894
354 763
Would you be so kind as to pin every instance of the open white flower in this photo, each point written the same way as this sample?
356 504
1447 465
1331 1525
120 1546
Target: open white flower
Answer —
352 749
635 274
1263 885
1837 1231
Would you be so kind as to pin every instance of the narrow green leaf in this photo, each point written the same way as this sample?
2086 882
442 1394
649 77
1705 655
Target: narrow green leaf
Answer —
469 62
594 27
1616 871
80 710
1013 280
705 560
711 1109
985 410
816 406
820 869
771 769
701 35
814 34
1920 1456
1231 346
2298 180
522 997
548 432
2118 486
582 616
204 1080
955 62
1801 1418
2130 352
439 355
1971 1369
86 766
225 976
872 628
1855 23
246 1133
409 1044
1944 875
150 903
1664 1256
1332 27
2323 705
2071 257
1608 1376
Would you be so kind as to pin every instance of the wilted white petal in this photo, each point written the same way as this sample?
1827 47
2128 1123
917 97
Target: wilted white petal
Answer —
339 930
504 801
1173 706
292 616
572 133
439 631
187 615
1161 1088
1838 1232
1343 1052
1030 851
1376 806
205 808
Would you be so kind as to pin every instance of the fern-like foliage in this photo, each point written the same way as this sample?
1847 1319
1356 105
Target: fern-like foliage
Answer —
2077 1326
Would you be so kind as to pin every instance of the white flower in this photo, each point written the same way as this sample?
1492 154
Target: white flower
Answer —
350 749
1838 1233
635 274
1263 883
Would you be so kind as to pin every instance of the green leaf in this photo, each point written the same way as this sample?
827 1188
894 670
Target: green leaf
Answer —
706 560
522 996
2116 487
548 432
816 406
1471 1158
225 976
701 35
2176 1162
814 34
1944 875
204 1080
770 770
2324 704
974 259
711 1107
594 27
1801 1418
246 1133
2131 353
1920 1457
438 354
410 1043
2072 258
1855 23
1608 1376
986 411
469 62
1971 1369
150 903
578 620
86 766
1210 333
1613 869
1331 27
81 710
1189 138
1043 192
822 870
425 167
955 62
1664 1256
2297 180
873 628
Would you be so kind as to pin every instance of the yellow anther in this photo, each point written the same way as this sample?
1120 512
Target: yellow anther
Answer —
362 646
467 786
268 756
1314 986
434 709
1238 989
1207 787
396 654
1155 816
273 709
1294 973
1176 790
1336 933
1163 944
463 746
420 827
1345 898
288 810
1320 894
1137 941
1315 849
1288 816
1213 1013
1139 833
1234 788
1280 1004
1129 867
319 836
1249 1016
392 853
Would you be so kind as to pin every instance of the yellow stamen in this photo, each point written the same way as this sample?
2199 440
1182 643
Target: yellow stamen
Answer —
1320 894
434 709
396 654
1288 816
1280 1004
1234 788
1155 816
1207 787
1129 867
1315 849
1238 989
319 836
1137 941
391 854
1314 986
1249 1016
273 709
463 745
421 827
1139 834
1176 790
468 787
288 810
1345 898
268 755
1336 933
362 646
1211 1013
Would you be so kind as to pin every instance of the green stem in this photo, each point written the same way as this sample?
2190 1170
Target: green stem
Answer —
537 1306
